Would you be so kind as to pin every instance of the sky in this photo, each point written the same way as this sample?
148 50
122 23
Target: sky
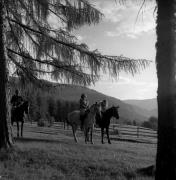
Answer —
124 30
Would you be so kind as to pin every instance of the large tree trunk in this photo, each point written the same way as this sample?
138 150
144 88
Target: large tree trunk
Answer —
5 132
166 71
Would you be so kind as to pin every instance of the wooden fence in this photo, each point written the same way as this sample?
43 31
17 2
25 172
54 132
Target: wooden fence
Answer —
128 130
136 131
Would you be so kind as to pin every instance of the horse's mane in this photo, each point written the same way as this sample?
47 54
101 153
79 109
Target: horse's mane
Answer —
109 109
112 107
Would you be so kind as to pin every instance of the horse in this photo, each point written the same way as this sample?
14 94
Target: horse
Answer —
17 115
73 119
103 121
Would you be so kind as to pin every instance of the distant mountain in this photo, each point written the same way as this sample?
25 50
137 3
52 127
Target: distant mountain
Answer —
72 93
147 107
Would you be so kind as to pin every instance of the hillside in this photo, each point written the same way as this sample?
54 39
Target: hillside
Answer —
148 107
64 92
73 93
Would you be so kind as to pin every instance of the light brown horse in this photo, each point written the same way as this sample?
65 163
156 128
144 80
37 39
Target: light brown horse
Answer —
89 121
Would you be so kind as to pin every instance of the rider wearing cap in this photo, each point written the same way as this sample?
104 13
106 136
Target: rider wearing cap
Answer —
84 105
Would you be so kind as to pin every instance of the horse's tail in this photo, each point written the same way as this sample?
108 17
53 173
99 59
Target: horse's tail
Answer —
66 122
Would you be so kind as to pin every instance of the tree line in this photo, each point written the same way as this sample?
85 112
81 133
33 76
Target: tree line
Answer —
151 123
44 107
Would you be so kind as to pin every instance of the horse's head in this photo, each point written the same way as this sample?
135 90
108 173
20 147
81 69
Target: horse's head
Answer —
26 107
115 112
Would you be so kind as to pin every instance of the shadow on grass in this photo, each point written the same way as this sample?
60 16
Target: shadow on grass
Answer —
69 142
130 175
132 140
26 139
147 171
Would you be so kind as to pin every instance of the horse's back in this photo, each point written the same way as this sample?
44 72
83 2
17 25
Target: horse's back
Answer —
74 116
89 120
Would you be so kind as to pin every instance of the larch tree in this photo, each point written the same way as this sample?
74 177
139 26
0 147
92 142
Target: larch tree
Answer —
33 47
166 71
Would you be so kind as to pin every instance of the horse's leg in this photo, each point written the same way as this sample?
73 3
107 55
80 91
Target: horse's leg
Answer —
88 139
67 125
64 123
17 129
74 132
22 129
107 132
102 134
91 132
85 134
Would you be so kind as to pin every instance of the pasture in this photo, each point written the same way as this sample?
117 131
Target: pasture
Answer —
50 153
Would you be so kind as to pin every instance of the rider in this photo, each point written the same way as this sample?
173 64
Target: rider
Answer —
104 105
16 100
84 105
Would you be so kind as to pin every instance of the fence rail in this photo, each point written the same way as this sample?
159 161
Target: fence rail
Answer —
133 130
123 130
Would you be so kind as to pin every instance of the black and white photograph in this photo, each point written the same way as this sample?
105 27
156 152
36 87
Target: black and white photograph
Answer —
87 89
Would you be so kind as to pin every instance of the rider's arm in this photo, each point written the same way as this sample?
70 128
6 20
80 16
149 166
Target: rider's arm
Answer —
87 103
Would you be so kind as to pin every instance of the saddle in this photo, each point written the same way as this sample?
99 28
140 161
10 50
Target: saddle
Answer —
87 112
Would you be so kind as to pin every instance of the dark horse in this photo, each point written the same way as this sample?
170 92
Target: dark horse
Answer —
18 115
103 121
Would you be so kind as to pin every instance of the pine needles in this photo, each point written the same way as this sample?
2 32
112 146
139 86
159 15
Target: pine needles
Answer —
36 47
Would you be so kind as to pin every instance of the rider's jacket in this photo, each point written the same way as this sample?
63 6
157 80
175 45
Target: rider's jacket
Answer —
83 103
104 106
16 100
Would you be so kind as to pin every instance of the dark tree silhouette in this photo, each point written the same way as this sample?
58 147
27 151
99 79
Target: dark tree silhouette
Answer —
5 135
166 71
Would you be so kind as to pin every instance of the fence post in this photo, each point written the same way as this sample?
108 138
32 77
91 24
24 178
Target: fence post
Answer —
137 131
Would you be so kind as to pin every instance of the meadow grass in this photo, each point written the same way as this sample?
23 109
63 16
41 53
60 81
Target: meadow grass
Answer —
53 157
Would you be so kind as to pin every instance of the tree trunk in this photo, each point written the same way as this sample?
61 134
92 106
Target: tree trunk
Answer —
5 132
166 72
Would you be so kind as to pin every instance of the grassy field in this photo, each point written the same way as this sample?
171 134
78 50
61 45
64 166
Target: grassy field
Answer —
51 154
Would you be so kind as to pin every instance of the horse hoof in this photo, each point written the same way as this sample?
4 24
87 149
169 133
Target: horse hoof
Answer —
109 142
92 142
